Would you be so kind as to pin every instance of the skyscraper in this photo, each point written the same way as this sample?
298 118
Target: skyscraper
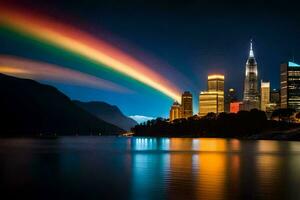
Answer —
251 94
215 82
211 102
265 95
175 112
213 99
187 104
290 85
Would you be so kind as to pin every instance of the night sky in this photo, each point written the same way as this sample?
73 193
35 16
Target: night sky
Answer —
183 41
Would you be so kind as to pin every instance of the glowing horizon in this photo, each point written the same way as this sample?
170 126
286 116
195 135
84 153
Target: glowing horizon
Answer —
91 48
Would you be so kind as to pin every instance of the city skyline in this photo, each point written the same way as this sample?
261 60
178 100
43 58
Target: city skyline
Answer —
255 95
183 60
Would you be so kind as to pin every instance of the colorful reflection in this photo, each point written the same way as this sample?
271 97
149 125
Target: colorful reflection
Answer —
235 145
186 165
268 146
184 168
212 176
149 175
269 174
208 168
181 144
212 144
140 144
149 169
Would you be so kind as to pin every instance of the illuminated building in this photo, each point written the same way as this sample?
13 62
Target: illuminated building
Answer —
274 100
215 82
230 96
265 95
211 102
275 96
251 94
175 112
270 107
290 85
187 104
235 107
213 99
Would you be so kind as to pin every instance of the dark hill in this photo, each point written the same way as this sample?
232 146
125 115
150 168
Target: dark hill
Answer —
108 113
29 108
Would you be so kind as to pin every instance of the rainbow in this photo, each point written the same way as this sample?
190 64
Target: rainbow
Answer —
25 68
83 44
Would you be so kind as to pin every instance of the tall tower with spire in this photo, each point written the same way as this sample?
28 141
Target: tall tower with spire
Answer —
251 93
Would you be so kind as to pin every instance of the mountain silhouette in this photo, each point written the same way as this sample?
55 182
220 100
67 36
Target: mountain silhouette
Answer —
109 113
31 108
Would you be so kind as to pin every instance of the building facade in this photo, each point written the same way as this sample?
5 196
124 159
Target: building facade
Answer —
230 97
251 93
187 104
290 85
175 111
215 82
213 99
264 95
275 96
274 100
211 102
235 107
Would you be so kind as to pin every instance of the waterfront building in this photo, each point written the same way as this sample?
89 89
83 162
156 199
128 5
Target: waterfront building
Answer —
265 95
275 96
235 107
187 104
212 100
270 108
175 111
251 93
230 96
290 85
274 100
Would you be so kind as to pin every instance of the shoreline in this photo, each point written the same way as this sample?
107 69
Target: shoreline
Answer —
252 137
276 135
241 138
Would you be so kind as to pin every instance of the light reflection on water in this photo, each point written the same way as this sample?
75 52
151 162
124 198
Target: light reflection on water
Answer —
151 168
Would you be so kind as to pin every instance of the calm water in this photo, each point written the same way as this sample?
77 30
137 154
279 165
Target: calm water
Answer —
149 168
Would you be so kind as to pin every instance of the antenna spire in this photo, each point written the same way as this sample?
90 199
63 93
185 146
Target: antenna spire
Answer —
251 53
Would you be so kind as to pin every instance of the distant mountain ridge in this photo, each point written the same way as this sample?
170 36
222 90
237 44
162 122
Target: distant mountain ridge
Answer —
109 113
29 107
